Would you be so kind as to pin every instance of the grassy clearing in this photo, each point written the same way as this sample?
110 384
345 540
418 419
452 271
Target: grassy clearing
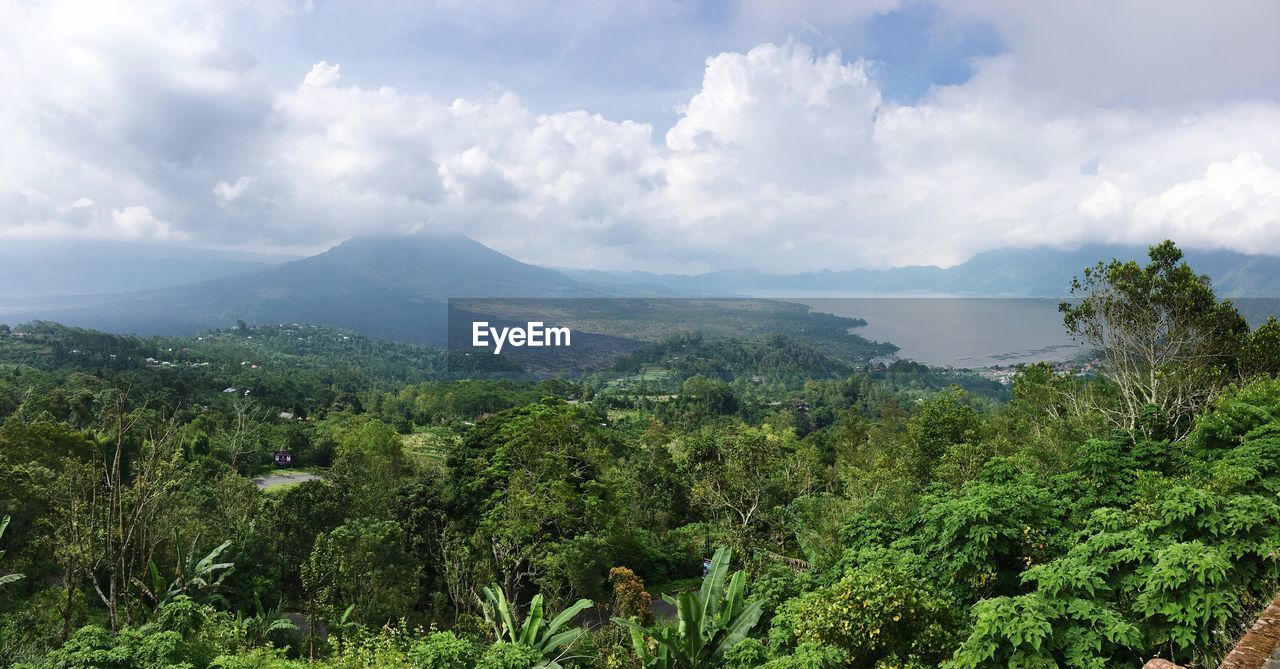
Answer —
281 488
286 471
428 447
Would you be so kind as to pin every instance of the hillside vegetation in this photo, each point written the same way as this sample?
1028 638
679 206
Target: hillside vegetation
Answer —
710 501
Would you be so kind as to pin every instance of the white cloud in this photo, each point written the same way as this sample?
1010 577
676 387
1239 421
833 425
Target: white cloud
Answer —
322 74
137 222
1234 203
785 157
113 105
230 192
1105 202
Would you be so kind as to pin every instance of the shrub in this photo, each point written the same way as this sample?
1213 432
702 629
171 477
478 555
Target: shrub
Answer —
874 612
94 647
630 599
503 655
444 650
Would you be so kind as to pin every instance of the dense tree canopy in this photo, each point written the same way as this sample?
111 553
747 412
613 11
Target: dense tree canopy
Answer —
875 516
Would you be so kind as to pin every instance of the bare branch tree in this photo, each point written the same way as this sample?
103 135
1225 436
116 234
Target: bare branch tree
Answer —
121 506
1167 344
243 437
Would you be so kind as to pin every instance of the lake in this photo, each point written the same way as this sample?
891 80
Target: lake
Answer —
959 331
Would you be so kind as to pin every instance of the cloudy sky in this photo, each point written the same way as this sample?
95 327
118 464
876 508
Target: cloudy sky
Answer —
667 135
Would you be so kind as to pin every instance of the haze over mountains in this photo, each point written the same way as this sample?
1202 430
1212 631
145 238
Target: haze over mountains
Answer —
41 268
397 287
1037 272
394 288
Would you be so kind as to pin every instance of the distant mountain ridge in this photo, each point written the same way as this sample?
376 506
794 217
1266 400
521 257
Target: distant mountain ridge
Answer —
390 287
1036 272
397 287
445 267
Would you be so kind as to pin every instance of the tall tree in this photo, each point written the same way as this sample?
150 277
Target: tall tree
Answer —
739 475
1168 344
124 503
531 477
243 437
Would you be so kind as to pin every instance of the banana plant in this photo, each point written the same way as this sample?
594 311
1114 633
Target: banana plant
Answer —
709 622
534 632
265 625
7 578
197 577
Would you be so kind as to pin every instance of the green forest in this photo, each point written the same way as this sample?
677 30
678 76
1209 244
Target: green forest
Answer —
706 502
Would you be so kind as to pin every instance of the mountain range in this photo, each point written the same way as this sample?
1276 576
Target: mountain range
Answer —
394 288
397 287
1035 272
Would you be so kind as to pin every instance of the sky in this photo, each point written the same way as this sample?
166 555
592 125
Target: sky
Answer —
671 136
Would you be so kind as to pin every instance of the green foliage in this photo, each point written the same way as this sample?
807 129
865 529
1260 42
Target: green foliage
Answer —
534 632
696 356
739 475
983 535
936 427
257 658
529 484
297 516
29 631
7 578
1260 352
1239 415
711 621
368 467
1185 596
1167 342
94 647
506 655
808 656
883 611
388 647
265 627
1038 631
444 650
198 577
363 564
747 653
886 518
1170 571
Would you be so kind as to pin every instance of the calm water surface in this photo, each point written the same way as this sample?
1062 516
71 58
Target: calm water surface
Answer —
959 331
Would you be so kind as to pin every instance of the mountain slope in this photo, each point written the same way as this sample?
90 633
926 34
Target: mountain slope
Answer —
391 287
444 267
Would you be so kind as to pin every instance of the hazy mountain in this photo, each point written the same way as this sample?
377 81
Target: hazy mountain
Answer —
393 287
445 267
41 268
396 287
1041 272
1048 272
